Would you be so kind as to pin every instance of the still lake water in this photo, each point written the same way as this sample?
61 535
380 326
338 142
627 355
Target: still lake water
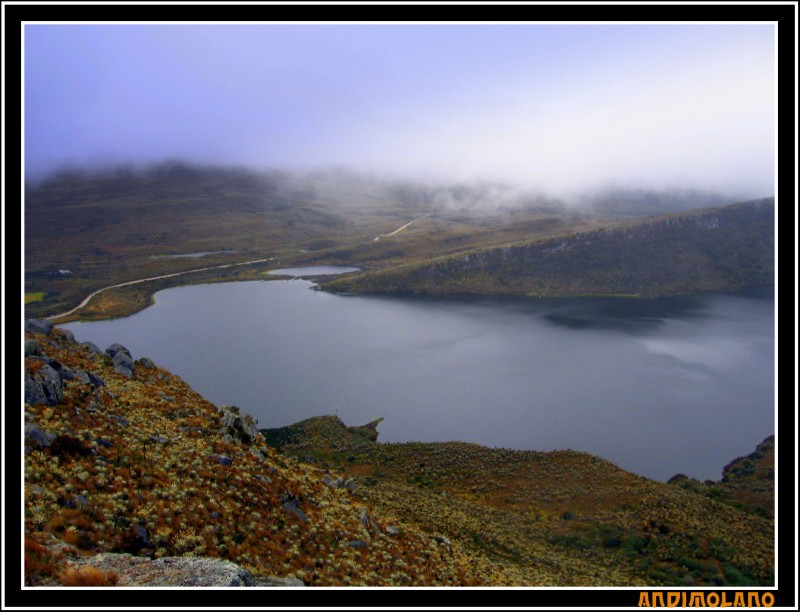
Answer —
681 384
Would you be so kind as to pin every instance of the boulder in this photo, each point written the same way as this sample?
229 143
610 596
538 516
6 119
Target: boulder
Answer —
93 348
336 483
37 436
95 380
64 373
239 426
123 364
38 326
138 571
146 363
293 506
115 348
43 387
222 460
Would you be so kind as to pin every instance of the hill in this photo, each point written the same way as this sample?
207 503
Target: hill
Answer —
712 249
555 518
123 458
132 478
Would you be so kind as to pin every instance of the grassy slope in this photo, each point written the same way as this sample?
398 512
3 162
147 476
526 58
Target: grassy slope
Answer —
138 456
560 517
719 248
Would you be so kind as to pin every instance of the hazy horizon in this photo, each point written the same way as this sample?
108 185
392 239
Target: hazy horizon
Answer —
554 108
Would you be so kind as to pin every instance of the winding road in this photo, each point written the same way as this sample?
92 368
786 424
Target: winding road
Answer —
400 229
88 298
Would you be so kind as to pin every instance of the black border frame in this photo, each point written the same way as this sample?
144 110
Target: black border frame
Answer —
784 14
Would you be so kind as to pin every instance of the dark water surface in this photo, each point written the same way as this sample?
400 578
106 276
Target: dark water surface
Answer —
682 384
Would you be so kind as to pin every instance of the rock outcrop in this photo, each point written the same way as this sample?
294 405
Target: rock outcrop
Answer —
121 359
237 426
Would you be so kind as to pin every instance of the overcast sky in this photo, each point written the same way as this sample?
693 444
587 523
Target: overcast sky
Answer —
554 106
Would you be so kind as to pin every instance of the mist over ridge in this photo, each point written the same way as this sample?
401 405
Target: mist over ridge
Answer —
347 188
556 109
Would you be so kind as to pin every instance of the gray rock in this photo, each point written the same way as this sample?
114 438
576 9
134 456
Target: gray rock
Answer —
294 507
121 420
95 380
358 544
115 349
93 348
336 483
34 393
38 436
43 387
141 533
32 348
239 426
66 373
77 501
38 326
159 439
82 376
136 571
146 363
123 364
443 540
68 336
350 484
392 530
364 519
222 460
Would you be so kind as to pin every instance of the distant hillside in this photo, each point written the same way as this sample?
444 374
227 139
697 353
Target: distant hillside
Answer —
88 230
534 518
721 248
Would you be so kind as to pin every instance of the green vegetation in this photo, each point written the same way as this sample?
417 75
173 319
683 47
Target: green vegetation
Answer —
35 296
532 518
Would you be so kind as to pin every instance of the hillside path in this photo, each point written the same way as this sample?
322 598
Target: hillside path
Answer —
400 229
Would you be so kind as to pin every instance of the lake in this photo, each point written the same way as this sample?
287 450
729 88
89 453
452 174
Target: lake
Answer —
658 387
